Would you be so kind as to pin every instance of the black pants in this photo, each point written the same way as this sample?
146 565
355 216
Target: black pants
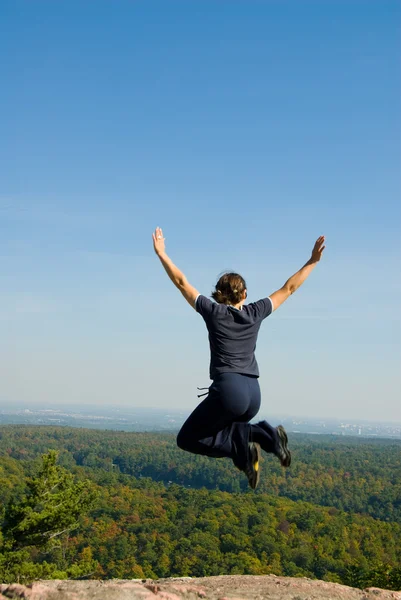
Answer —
219 426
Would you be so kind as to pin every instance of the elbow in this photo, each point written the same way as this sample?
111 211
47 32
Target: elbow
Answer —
180 282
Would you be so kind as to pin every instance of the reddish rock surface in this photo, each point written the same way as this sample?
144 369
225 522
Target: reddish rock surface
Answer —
224 587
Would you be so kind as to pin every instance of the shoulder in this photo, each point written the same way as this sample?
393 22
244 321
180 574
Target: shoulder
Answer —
204 305
260 309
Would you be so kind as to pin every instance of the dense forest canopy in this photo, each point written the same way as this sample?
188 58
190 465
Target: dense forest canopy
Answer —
159 512
351 474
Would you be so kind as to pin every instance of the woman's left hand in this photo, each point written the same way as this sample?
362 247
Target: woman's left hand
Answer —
158 241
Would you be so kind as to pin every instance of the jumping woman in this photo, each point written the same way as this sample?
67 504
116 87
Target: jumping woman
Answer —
219 426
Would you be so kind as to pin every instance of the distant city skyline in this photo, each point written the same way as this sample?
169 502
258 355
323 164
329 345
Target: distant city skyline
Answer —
245 130
170 420
101 412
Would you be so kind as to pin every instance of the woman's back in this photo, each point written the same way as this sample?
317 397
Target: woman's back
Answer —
233 334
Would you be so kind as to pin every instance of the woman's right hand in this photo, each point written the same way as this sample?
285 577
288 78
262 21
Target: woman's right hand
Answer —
318 249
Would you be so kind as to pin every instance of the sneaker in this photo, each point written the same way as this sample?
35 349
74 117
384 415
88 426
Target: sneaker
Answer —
282 452
278 444
253 464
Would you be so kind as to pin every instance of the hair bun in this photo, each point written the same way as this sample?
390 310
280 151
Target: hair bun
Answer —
229 289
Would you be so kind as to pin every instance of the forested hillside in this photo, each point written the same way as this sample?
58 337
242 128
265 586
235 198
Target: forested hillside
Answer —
350 474
150 519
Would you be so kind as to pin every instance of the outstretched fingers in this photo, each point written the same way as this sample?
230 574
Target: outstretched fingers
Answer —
319 242
318 248
158 240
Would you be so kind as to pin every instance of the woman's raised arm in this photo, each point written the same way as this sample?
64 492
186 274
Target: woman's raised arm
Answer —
299 277
177 277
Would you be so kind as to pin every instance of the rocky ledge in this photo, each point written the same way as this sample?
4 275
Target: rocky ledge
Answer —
224 587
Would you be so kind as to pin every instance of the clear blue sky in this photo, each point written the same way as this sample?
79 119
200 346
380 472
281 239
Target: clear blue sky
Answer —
245 129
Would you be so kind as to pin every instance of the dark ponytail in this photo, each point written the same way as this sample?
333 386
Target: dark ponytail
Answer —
229 289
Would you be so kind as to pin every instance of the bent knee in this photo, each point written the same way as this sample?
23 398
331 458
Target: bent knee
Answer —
182 440
187 440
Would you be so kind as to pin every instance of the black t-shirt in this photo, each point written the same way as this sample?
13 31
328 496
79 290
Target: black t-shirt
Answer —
233 334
